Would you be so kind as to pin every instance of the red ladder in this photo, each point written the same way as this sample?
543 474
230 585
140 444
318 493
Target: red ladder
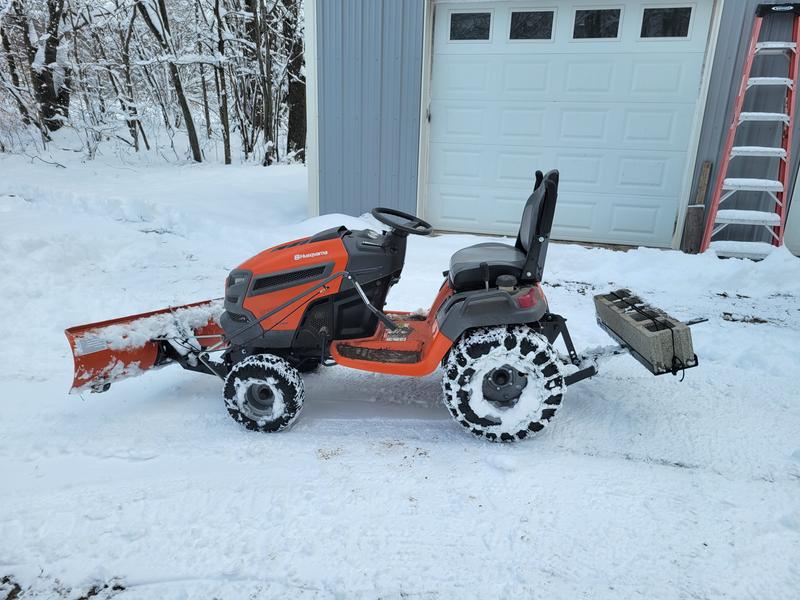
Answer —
774 221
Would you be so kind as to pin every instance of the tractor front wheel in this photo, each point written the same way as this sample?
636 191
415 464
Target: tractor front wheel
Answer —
264 393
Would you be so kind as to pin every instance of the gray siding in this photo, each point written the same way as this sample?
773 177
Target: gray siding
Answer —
735 28
369 69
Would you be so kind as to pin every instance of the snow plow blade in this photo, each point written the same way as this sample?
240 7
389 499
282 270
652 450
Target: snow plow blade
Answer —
117 349
661 343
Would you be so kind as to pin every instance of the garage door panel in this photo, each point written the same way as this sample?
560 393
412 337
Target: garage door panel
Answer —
629 39
581 171
574 219
464 123
587 75
515 168
464 77
592 125
521 125
603 217
634 218
457 208
582 125
507 214
614 116
647 173
524 77
570 77
460 165
665 78
488 210
609 219
656 127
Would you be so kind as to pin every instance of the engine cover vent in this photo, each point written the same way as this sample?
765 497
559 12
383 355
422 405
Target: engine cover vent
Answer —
270 283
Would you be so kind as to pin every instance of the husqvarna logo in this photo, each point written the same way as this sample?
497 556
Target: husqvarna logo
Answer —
311 255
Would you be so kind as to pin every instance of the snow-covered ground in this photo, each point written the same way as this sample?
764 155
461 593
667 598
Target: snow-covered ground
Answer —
640 488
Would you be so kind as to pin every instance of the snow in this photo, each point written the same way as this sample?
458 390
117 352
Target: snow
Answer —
748 216
770 81
739 249
640 487
276 410
766 185
179 322
763 116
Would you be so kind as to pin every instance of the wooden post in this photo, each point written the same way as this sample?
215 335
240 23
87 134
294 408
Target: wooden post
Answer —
693 226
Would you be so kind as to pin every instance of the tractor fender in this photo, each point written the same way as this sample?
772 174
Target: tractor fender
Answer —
485 308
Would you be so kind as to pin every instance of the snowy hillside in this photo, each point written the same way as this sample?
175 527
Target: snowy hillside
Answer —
640 488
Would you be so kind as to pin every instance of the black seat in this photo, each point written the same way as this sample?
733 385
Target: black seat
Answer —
474 266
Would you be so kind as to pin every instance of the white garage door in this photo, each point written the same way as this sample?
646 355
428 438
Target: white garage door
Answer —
605 92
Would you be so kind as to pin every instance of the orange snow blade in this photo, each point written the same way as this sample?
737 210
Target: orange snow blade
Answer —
117 349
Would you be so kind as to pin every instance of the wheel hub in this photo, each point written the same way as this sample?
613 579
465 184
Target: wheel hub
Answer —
503 385
260 399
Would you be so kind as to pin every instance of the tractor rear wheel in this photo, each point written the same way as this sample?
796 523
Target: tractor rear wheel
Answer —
503 383
264 393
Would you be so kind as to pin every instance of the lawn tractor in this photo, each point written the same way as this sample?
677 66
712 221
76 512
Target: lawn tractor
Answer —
319 301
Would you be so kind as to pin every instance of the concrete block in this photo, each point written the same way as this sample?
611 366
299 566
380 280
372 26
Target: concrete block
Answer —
654 337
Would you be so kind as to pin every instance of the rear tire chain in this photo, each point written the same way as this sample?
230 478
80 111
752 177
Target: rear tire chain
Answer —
520 340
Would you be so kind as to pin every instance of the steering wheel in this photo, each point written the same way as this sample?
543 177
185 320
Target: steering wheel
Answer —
404 222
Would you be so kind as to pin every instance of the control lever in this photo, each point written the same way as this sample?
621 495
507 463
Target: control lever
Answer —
390 325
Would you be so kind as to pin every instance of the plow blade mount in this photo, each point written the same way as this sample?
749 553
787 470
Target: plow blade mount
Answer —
660 342
113 350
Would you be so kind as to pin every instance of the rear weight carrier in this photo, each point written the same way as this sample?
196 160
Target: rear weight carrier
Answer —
658 341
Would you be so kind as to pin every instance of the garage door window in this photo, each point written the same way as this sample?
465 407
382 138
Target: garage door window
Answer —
470 26
596 24
531 25
666 22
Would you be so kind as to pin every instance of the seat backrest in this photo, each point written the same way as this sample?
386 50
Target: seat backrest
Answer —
530 214
537 221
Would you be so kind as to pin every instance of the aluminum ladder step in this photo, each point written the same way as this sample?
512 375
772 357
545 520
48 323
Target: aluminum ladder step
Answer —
748 217
734 249
775 47
754 81
752 185
758 151
763 116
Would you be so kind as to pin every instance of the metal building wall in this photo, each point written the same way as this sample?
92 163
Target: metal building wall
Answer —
369 69
735 28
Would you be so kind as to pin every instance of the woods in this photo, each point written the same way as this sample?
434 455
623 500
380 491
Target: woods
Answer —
201 80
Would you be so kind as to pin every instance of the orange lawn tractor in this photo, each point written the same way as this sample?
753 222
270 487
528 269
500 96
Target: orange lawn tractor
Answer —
320 301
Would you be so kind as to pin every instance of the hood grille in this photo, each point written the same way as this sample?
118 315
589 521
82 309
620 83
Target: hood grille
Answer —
269 282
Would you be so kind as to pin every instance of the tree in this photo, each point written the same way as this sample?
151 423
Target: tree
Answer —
157 20
50 83
222 86
296 95
144 71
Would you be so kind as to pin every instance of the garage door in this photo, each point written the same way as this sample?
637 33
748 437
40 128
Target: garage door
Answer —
605 92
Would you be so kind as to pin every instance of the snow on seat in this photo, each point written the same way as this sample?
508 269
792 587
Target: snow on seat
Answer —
753 185
747 217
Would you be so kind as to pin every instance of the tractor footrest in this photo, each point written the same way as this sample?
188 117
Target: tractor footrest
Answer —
660 342
385 355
